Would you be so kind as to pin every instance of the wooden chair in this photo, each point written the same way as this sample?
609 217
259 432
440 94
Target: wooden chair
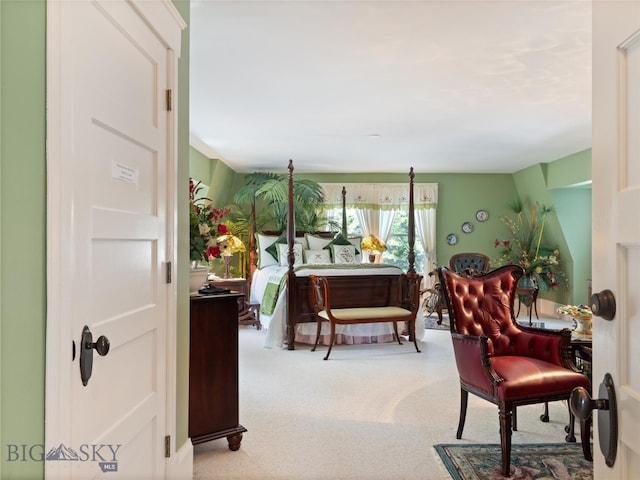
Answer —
403 307
499 360
469 263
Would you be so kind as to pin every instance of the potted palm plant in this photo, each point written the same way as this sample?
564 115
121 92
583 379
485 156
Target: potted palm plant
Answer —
262 202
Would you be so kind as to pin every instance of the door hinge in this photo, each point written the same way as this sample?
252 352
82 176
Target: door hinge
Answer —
169 100
167 446
168 272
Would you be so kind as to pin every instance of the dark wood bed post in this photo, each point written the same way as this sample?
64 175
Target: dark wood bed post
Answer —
344 211
411 236
412 226
253 254
291 276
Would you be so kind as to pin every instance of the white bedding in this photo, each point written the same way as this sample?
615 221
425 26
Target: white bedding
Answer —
276 323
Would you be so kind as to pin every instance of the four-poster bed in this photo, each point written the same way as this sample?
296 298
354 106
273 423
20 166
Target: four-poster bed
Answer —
283 287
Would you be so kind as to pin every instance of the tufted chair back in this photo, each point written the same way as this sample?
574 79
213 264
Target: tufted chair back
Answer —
469 263
484 306
499 360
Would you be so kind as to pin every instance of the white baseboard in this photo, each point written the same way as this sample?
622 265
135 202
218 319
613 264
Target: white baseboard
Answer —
180 465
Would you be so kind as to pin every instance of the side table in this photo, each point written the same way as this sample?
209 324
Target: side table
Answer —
248 314
530 296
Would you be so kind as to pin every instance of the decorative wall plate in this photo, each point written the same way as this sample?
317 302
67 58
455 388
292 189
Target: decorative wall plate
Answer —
452 239
482 215
467 227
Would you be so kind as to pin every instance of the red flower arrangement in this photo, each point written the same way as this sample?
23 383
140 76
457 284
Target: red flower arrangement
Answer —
205 225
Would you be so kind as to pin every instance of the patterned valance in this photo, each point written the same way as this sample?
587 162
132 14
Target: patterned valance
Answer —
380 196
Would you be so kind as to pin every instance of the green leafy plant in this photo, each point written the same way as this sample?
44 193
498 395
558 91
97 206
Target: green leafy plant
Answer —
524 246
263 202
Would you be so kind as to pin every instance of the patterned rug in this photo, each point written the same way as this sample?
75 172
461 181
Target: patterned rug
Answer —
561 461
431 321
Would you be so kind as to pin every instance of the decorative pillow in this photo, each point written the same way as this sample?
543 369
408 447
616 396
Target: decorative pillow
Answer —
343 253
317 257
262 243
273 248
340 239
283 249
316 243
356 241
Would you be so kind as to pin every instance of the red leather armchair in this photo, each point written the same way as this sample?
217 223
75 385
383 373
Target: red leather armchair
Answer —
499 360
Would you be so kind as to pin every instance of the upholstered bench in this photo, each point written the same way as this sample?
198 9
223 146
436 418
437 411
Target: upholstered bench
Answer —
405 306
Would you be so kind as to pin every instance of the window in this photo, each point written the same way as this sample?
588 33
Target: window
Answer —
334 217
397 252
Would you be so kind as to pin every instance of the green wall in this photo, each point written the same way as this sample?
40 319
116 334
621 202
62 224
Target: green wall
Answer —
22 232
215 174
569 183
573 208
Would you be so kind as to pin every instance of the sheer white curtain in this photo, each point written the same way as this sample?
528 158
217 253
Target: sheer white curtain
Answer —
377 203
386 218
369 221
426 202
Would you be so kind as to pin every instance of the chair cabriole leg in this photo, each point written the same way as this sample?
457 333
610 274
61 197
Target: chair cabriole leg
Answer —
464 397
395 330
505 438
571 435
318 330
331 340
412 329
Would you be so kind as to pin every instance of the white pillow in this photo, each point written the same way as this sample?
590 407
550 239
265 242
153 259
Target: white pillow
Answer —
262 242
283 250
316 243
343 253
356 241
317 257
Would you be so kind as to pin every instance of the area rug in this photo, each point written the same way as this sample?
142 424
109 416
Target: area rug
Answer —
431 321
561 461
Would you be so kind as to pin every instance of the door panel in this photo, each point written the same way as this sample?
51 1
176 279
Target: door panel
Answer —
616 222
111 164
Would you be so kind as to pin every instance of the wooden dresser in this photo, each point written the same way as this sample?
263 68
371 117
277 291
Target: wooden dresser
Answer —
213 370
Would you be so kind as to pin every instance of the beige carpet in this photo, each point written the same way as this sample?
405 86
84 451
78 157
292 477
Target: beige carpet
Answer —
369 412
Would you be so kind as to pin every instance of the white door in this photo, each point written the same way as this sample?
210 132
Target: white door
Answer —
110 168
616 222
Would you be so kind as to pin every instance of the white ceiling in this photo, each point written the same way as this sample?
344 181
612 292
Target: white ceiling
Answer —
378 86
